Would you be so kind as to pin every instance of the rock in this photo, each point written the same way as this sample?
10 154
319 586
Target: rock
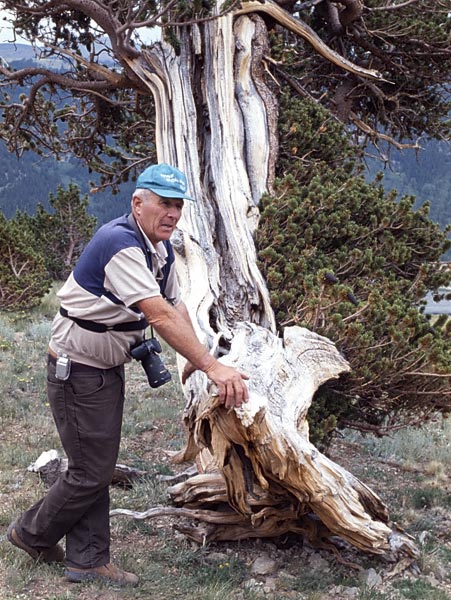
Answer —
441 572
318 563
432 579
341 591
270 585
217 557
253 586
351 593
370 578
44 459
263 565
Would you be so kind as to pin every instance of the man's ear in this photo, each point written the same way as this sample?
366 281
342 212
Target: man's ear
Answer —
136 203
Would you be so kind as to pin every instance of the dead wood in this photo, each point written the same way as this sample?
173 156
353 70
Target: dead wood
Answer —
258 470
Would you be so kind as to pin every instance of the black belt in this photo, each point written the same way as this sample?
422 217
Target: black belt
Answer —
75 367
101 327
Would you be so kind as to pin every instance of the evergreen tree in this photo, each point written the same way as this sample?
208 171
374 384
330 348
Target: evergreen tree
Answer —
61 235
23 276
345 259
425 174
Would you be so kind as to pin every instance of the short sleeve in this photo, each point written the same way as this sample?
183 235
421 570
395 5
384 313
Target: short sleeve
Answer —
128 277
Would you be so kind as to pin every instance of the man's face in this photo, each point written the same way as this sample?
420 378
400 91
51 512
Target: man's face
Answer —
158 216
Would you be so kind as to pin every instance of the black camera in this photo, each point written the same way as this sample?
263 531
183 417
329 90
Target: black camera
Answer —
147 352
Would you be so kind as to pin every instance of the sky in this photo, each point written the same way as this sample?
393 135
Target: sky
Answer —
7 36
5 30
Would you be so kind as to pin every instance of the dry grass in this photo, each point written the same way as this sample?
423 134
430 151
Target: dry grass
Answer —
408 470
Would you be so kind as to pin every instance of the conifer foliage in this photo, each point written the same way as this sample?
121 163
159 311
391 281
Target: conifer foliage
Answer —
36 249
23 276
63 233
346 259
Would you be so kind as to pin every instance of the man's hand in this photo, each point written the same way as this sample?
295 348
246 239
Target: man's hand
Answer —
174 326
233 391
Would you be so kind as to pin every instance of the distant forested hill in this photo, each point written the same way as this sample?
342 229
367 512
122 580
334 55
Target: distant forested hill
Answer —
427 176
27 181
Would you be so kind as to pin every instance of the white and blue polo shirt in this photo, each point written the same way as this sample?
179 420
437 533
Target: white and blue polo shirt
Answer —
110 277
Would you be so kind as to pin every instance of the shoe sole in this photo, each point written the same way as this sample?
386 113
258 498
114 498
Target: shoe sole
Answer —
81 577
76 577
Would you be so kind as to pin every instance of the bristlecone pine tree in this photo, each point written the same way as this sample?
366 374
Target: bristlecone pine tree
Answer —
206 98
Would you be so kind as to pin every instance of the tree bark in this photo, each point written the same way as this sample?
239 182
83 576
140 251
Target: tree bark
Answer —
206 125
259 474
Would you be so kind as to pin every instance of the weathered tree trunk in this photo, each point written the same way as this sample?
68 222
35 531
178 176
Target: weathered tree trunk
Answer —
216 120
215 127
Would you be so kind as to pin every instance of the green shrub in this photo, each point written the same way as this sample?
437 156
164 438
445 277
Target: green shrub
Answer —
348 261
23 276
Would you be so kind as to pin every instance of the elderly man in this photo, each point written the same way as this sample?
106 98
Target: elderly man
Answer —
124 281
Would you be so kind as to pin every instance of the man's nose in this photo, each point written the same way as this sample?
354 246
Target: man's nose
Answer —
174 212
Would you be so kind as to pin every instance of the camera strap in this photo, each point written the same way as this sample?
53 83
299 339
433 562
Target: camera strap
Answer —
148 254
101 327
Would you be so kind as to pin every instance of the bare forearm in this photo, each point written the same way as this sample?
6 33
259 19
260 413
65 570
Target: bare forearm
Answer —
174 326
183 312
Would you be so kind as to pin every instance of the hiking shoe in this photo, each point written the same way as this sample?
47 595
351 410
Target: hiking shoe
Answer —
107 574
53 554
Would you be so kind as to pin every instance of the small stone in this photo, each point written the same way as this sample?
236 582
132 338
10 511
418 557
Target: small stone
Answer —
441 572
263 565
351 592
336 590
217 557
270 585
317 562
432 579
252 584
370 578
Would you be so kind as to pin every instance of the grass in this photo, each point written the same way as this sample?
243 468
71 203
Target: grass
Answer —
169 565
420 590
430 444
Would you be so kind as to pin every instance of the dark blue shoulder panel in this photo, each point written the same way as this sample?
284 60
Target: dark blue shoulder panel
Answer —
110 239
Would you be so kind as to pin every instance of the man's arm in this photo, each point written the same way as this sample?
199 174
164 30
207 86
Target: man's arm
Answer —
189 368
174 326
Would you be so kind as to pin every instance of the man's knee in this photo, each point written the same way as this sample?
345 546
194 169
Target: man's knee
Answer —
93 481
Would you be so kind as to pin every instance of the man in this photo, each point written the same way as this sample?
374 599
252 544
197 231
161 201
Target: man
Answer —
124 280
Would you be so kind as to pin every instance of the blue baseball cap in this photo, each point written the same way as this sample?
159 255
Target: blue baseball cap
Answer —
164 180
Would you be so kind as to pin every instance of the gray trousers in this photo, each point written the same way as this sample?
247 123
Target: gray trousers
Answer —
87 409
